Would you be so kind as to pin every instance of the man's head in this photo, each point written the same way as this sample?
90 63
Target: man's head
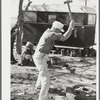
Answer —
58 26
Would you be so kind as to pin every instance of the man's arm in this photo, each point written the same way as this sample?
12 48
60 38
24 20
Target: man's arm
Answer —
68 33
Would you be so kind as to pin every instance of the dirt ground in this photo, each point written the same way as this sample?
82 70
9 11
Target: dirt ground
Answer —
67 72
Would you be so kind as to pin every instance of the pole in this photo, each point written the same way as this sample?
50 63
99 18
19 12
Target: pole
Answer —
20 26
19 39
85 2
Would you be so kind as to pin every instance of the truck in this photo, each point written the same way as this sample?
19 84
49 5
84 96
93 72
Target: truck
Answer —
40 17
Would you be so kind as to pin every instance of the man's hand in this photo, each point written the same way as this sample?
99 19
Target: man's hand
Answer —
72 24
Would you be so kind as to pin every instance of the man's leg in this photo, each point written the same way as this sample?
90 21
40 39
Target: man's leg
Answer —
44 77
38 83
45 82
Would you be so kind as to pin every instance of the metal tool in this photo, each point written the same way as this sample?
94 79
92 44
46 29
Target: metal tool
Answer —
70 15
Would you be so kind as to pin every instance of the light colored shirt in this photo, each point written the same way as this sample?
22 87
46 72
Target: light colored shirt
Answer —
47 41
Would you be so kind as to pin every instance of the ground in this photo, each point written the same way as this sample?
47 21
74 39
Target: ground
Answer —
67 72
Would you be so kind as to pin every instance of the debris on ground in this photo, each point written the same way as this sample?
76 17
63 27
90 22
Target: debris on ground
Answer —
67 72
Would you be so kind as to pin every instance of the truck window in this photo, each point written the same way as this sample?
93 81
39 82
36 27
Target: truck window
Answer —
51 18
78 18
30 16
91 19
42 17
64 18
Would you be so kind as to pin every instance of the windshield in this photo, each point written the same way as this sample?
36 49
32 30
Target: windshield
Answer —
91 19
49 17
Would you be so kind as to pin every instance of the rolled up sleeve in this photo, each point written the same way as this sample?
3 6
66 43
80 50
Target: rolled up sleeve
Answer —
59 36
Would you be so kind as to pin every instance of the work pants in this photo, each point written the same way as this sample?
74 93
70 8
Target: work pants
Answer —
40 60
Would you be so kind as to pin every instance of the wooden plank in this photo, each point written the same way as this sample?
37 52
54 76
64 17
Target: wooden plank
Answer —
19 41
59 46
20 26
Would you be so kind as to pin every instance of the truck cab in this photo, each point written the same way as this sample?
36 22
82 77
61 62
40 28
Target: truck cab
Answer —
39 17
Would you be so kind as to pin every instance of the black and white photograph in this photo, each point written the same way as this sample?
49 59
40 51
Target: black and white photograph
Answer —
53 51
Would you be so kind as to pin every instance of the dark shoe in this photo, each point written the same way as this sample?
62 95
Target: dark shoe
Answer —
13 62
36 91
38 88
20 64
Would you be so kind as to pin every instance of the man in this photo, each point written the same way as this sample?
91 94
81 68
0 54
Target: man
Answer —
44 47
26 56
